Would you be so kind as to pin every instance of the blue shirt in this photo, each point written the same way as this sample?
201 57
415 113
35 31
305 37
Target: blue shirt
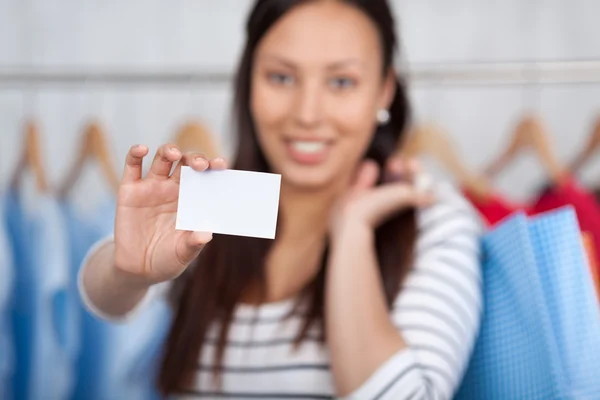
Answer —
115 360
37 236
6 290
89 336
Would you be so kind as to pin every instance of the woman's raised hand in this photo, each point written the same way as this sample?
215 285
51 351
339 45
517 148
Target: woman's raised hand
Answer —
146 242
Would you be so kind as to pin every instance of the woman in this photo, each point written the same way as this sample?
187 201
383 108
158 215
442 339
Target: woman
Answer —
371 288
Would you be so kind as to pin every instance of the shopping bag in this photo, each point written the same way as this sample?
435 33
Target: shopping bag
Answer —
510 359
570 299
538 308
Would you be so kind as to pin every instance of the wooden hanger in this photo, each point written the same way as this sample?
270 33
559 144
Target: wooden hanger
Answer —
592 145
195 136
94 146
433 140
31 157
530 134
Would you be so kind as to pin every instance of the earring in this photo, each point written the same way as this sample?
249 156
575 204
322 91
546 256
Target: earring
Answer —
383 116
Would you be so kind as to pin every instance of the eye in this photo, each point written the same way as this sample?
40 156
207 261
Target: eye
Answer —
342 83
281 79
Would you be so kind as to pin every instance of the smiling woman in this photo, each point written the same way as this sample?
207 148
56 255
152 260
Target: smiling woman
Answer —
372 288
316 91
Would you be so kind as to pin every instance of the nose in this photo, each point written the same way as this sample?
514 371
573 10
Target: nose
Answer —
308 107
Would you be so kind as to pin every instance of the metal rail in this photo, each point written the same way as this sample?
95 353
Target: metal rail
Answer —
443 74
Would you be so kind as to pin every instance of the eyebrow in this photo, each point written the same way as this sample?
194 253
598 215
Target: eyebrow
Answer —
335 65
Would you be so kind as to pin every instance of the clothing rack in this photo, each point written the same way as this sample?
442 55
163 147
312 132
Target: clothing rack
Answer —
437 74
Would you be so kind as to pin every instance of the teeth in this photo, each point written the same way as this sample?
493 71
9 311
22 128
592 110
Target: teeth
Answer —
308 147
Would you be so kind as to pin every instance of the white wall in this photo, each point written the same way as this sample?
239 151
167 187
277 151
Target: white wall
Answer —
203 34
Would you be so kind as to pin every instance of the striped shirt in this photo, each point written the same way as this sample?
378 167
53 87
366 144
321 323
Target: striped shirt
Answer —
437 312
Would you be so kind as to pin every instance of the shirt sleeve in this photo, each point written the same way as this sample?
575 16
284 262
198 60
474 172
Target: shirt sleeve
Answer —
153 293
438 310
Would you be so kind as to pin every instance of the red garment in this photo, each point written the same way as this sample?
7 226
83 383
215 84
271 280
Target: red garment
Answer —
495 208
592 256
584 203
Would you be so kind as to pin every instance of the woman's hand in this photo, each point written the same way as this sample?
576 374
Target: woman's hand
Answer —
147 246
367 205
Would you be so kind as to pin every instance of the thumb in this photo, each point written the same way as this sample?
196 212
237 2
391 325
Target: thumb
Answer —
191 244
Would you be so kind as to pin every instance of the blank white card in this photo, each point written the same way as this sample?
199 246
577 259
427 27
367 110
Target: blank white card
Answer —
231 202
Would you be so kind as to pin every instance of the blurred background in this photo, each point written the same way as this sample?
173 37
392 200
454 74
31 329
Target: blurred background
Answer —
143 68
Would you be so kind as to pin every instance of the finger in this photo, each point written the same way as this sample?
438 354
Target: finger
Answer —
198 162
133 163
194 160
413 170
163 161
395 197
402 169
411 195
218 163
395 169
191 244
367 175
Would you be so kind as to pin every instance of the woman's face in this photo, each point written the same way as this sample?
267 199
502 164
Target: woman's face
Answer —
317 85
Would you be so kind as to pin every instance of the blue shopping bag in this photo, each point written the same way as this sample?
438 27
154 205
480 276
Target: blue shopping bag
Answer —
539 307
571 301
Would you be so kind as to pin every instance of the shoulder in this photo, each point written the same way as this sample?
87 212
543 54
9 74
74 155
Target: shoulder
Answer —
448 246
439 307
451 214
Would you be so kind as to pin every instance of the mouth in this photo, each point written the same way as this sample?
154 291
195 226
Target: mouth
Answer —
309 152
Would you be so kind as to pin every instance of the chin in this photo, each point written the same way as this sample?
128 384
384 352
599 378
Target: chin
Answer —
306 178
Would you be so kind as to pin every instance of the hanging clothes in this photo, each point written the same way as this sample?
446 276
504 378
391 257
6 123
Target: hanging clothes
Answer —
115 360
39 312
7 357
90 346
597 194
570 192
495 208
592 258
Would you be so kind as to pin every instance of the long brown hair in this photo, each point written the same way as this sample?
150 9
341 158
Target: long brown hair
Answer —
228 265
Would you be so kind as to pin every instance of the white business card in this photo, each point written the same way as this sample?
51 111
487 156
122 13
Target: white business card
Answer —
241 203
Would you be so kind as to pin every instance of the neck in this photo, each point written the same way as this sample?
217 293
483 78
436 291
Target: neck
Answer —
306 212
294 260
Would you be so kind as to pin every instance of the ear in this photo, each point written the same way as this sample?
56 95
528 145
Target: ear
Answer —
388 90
